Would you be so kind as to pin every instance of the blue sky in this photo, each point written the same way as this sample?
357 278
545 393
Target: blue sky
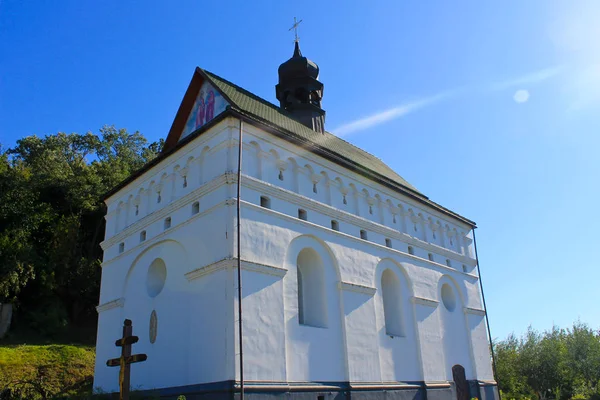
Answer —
489 109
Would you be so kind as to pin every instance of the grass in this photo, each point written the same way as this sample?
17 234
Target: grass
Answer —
46 371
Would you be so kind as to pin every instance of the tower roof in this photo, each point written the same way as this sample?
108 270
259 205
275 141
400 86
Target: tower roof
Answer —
298 67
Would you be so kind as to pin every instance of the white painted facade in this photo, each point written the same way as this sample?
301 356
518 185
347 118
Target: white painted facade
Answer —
430 299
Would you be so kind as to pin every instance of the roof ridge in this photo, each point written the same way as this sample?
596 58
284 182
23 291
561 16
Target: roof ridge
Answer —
280 110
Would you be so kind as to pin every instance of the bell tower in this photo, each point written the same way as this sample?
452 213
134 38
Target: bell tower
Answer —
299 92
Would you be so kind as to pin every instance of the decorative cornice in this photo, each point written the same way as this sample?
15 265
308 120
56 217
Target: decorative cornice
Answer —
263 268
357 239
424 301
165 211
232 263
353 287
308 203
150 241
110 305
148 173
475 311
349 175
208 269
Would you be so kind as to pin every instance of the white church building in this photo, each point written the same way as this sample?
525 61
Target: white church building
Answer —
354 283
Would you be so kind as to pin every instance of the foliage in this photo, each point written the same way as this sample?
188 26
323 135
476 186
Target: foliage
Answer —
52 222
556 364
44 372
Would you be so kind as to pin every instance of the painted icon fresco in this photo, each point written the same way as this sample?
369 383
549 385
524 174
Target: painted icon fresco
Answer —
209 104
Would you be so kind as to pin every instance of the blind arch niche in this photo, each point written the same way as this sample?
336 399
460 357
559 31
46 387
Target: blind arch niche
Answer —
312 299
391 293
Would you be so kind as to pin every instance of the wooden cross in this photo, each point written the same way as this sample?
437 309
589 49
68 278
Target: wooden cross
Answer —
295 28
126 359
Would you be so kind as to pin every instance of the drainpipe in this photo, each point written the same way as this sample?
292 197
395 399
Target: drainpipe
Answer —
239 261
487 321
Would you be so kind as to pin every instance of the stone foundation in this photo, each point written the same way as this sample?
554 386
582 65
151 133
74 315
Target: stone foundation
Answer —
228 390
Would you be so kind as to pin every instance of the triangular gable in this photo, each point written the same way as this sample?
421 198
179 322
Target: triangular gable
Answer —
201 103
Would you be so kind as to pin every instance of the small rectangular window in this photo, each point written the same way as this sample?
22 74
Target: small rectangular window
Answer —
448 262
195 208
335 225
121 247
411 251
167 222
302 214
464 268
363 234
430 256
388 243
265 202
142 236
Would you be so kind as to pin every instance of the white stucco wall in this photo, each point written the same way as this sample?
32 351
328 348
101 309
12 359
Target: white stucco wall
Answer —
197 309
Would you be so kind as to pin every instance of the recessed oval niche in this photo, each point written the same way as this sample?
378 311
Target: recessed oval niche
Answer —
448 297
157 275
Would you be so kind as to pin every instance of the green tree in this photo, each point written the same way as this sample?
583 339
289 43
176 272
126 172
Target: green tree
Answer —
52 216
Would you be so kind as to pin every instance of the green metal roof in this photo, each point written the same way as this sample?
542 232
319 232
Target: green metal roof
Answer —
246 102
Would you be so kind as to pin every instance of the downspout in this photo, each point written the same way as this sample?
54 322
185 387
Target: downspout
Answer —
487 321
239 262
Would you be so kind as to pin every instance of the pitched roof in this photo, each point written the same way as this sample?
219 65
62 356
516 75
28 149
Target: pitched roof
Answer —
248 105
247 102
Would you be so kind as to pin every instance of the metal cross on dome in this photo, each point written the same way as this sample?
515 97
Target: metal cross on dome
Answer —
295 28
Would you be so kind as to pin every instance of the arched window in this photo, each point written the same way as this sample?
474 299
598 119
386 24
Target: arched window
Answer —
312 301
392 303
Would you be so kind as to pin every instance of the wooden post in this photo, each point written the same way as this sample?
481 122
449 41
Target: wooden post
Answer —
124 362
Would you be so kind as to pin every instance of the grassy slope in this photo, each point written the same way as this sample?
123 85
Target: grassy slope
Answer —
31 370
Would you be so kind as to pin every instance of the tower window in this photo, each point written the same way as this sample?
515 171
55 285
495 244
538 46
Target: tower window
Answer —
280 175
159 198
302 214
335 225
371 209
448 262
265 202
195 208
464 268
388 242
430 256
411 251
137 209
344 200
167 224
142 236
121 247
363 234
394 218
314 187
184 181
